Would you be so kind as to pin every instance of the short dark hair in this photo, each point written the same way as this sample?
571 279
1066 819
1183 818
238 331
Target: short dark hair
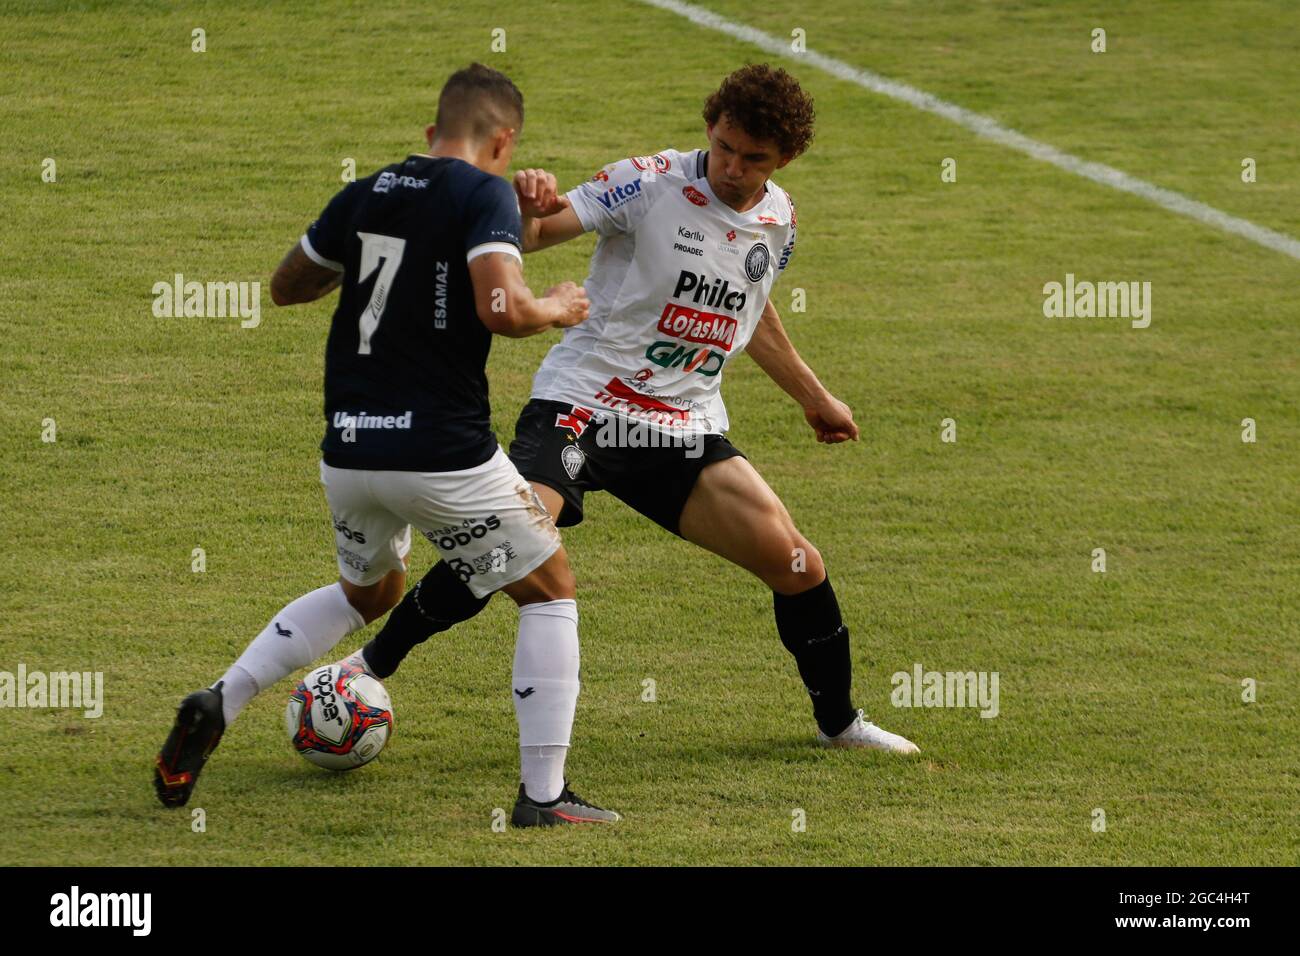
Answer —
766 104
477 101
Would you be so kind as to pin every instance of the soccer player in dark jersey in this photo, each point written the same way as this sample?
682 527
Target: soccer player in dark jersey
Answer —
689 246
427 254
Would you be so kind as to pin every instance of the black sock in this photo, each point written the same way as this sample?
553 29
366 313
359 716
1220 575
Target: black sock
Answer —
439 601
812 630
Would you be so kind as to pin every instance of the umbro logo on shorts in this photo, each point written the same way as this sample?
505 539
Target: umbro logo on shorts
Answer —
523 694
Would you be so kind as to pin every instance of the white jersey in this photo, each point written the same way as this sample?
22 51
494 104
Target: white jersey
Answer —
678 283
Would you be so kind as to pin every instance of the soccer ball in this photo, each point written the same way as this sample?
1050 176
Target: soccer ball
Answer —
339 717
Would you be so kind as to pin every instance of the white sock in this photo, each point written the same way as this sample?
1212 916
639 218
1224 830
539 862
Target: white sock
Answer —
304 630
545 691
543 771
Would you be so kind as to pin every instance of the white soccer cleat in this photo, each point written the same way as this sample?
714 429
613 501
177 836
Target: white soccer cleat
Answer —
863 734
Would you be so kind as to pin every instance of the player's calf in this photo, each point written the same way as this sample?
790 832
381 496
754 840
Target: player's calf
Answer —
811 628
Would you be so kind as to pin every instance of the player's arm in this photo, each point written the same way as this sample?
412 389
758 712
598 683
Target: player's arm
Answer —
611 203
775 354
548 217
494 252
300 279
313 267
508 307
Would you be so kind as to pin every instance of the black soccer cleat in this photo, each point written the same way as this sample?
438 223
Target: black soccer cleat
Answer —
196 733
567 808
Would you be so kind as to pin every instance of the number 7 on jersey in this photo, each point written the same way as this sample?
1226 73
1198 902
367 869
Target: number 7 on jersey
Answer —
374 248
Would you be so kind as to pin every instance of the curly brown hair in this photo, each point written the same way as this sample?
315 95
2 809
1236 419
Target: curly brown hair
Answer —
766 103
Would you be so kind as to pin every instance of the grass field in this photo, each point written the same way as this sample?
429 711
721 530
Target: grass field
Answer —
1120 690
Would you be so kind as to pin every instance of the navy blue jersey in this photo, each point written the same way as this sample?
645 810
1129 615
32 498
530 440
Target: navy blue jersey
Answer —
405 381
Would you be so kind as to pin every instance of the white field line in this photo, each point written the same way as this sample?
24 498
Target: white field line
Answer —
992 130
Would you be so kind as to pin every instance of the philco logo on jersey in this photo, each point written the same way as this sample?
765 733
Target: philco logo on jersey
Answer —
658 161
617 195
708 328
695 196
387 181
717 293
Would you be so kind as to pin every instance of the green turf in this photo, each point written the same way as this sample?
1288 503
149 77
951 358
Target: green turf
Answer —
1119 691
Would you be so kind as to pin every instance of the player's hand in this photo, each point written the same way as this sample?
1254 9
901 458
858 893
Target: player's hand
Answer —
573 303
832 420
539 194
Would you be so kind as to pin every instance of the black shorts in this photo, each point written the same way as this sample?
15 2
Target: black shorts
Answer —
654 481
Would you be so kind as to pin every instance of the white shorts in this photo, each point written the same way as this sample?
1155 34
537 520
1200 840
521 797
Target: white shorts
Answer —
486 522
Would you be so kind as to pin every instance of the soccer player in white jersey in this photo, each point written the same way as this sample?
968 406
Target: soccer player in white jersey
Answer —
689 246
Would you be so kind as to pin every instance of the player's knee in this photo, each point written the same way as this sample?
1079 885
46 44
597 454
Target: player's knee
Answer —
553 581
793 566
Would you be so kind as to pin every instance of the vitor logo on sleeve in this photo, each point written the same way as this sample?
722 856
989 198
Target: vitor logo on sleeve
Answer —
617 195
75 909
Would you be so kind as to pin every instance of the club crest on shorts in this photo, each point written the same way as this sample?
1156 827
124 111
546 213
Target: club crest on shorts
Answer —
756 262
572 458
